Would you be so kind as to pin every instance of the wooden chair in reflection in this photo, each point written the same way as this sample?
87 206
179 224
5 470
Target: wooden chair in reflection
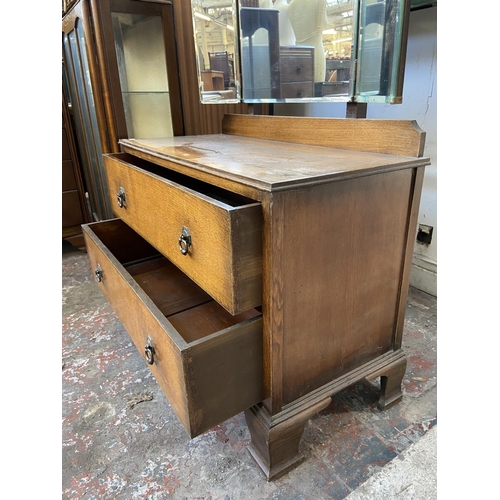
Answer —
220 61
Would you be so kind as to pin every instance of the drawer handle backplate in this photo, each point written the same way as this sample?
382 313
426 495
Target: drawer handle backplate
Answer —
149 351
122 202
184 241
98 273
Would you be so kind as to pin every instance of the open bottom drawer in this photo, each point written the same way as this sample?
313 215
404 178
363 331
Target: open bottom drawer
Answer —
207 362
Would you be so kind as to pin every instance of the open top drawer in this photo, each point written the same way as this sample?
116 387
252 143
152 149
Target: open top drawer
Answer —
212 235
207 361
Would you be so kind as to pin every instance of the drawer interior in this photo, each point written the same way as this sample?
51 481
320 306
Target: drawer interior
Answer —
208 363
227 197
190 310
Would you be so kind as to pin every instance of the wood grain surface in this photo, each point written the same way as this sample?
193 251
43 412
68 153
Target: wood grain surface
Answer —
142 319
343 252
225 258
398 137
263 164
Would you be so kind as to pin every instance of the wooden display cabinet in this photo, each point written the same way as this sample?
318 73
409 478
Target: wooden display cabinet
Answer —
126 79
74 206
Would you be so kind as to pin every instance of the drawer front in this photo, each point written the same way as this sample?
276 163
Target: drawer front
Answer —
296 66
207 378
217 245
297 89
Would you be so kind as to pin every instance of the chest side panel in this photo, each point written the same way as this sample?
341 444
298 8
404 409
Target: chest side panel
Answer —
343 252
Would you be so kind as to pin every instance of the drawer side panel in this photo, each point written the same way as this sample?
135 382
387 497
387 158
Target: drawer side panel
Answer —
341 276
246 244
225 375
139 321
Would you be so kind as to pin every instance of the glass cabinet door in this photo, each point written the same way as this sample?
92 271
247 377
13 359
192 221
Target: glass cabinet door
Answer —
217 50
86 109
120 67
139 44
140 54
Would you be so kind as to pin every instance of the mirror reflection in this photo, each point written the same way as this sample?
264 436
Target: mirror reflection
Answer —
216 50
297 50
380 65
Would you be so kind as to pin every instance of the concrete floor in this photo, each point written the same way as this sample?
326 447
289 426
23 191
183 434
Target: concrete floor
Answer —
122 440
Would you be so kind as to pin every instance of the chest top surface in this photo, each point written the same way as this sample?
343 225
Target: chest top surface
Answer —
264 164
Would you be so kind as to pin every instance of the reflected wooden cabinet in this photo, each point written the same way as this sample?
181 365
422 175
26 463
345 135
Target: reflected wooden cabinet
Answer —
74 208
125 80
296 72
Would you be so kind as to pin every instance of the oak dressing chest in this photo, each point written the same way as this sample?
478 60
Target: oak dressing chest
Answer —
264 269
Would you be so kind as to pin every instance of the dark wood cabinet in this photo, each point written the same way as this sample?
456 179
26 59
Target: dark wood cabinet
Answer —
130 70
296 72
85 96
74 206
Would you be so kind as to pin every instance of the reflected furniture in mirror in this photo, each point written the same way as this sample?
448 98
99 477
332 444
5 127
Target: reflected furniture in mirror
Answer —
296 72
220 61
335 32
260 62
212 80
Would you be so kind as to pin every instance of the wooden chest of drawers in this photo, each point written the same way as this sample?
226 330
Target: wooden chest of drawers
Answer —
296 72
264 269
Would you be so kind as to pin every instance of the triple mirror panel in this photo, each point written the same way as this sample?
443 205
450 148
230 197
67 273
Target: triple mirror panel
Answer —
300 50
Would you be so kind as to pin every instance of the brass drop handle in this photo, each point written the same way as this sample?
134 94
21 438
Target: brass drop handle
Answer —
122 202
98 273
149 351
184 241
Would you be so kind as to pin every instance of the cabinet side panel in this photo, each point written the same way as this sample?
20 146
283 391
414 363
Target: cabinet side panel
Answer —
225 375
343 252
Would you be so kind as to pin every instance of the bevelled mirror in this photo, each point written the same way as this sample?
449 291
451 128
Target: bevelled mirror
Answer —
216 45
300 50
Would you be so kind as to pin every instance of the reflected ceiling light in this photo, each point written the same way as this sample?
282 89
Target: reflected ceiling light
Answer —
230 27
330 31
202 16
